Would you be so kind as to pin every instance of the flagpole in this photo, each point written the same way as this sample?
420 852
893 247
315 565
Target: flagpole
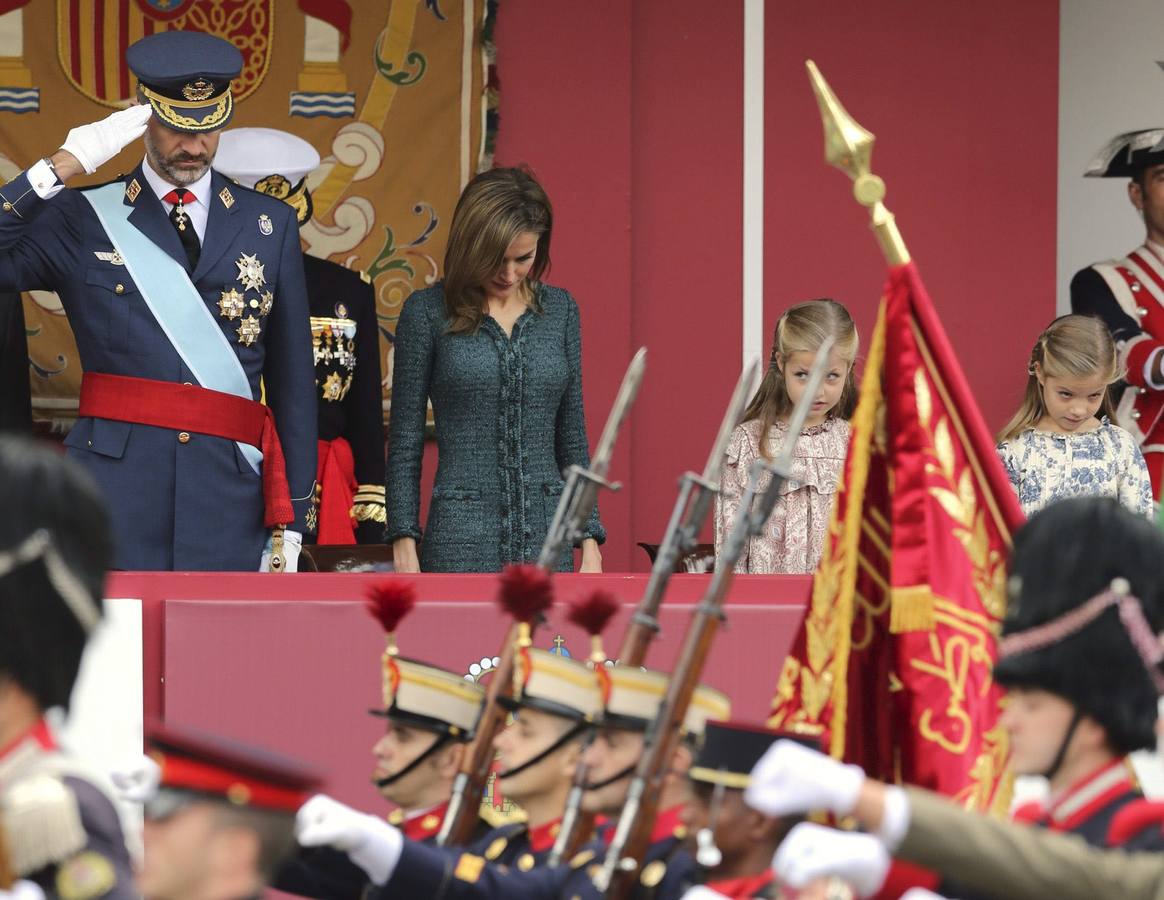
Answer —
849 147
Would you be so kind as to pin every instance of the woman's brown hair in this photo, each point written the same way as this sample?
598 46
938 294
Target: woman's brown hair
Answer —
803 328
1073 346
494 208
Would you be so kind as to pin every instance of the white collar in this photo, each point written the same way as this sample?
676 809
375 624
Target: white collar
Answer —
200 188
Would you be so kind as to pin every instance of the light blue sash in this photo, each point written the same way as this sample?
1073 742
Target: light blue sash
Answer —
175 303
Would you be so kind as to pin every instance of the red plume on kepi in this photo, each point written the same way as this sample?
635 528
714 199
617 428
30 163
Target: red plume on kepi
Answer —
592 613
525 594
388 601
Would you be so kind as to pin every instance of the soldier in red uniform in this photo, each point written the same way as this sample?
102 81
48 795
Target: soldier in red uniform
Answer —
1128 293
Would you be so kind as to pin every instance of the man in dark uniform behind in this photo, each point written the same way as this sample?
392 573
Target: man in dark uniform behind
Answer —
59 828
345 339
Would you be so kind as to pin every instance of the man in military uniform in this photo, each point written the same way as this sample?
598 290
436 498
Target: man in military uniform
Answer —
429 716
219 815
1128 293
555 702
58 829
183 291
345 339
1081 630
406 868
732 843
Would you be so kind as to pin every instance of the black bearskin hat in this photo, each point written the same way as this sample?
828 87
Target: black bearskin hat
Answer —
1065 555
54 549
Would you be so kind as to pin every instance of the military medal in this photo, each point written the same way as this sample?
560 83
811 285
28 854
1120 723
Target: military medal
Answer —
265 225
180 217
232 304
113 258
341 310
268 302
333 387
250 271
248 331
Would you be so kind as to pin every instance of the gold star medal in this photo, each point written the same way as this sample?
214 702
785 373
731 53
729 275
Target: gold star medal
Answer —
248 331
231 305
250 271
268 302
333 387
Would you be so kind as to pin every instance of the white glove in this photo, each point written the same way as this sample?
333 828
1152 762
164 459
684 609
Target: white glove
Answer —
292 544
812 851
371 843
703 892
22 890
98 142
138 780
918 893
792 779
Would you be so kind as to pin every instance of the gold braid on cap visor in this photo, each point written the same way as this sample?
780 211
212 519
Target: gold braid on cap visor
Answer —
166 110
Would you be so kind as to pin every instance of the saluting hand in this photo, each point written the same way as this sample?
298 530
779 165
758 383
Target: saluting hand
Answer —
95 144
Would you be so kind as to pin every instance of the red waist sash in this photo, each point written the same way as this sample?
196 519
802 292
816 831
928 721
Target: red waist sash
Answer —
336 476
187 407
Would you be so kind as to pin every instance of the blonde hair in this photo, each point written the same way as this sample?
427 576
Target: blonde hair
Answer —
494 208
1073 346
802 329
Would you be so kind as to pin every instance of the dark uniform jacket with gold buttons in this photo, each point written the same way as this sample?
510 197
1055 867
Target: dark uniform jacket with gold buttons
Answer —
438 873
198 503
60 831
515 845
328 874
1128 294
346 342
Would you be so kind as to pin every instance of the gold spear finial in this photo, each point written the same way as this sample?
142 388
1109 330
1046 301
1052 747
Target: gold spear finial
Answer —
849 147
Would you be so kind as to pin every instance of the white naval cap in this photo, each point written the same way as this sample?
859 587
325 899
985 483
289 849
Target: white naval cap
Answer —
251 155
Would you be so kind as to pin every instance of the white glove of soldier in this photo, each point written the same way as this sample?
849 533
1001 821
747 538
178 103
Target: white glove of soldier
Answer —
792 779
292 544
98 142
371 843
918 893
703 892
812 851
137 781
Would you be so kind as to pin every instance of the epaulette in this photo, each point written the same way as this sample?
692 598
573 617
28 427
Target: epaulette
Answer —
500 843
495 817
42 823
365 277
1134 818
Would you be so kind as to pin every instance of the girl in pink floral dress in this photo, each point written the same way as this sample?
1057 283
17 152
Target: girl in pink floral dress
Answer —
793 537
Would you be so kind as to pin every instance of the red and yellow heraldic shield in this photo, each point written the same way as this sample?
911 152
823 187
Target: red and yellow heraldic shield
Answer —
92 36
892 667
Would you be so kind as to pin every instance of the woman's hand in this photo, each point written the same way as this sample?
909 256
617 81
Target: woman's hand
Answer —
591 556
404 558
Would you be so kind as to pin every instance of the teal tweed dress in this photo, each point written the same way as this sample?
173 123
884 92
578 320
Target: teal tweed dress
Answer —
509 421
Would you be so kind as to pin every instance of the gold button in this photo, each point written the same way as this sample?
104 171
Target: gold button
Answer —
183 437
119 288
7 206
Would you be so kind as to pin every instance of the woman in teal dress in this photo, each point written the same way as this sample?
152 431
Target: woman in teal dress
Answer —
499 354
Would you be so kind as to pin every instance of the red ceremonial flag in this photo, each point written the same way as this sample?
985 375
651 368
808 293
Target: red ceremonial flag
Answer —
892 667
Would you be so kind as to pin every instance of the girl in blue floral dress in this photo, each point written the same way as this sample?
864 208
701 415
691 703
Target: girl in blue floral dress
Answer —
1062 442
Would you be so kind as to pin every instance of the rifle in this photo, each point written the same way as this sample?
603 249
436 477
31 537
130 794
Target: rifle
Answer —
696 493
632 835
579 495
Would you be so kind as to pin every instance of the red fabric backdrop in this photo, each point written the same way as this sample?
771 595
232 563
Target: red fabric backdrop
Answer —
632 116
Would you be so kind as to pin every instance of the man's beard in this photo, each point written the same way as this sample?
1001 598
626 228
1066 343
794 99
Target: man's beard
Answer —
167 166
